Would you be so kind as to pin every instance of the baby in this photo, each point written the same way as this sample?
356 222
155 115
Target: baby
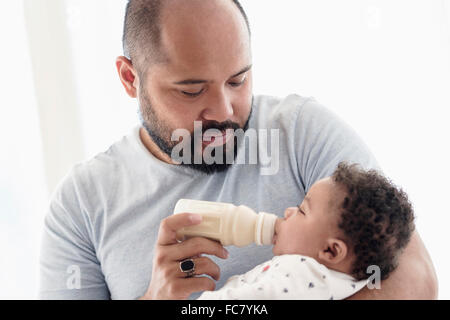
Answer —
346 223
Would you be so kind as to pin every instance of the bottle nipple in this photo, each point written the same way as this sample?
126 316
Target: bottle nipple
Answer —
265 229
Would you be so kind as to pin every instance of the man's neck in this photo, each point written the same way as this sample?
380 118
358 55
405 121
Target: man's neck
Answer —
151 146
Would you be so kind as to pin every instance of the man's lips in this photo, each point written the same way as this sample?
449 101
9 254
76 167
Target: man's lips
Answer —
214 140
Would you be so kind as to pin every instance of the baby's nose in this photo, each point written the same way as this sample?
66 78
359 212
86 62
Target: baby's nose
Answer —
288 212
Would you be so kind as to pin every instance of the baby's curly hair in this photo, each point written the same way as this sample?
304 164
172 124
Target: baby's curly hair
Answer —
376 217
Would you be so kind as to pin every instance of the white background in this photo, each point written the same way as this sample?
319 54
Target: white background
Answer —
383 66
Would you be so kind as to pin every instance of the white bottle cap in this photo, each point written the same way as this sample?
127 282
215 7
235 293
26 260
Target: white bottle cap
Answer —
265 229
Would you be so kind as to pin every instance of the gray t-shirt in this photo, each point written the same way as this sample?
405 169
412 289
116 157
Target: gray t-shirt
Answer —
103 219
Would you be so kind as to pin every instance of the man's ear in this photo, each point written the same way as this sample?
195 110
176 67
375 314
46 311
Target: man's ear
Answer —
128 76
334 252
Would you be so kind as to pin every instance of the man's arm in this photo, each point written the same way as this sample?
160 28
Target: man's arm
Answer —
415 277
69 269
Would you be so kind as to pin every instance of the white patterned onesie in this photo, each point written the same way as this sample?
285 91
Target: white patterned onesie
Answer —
288 277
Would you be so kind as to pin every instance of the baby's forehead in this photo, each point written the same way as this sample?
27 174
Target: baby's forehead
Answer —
326 192
324 188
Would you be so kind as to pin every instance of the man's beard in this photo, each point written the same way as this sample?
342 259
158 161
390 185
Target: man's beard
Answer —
161 134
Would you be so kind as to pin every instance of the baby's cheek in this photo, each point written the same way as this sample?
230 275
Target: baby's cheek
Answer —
282 244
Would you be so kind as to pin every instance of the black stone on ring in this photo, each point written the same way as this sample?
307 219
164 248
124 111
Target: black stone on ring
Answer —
188 267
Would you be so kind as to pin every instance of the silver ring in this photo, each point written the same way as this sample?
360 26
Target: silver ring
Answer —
188 267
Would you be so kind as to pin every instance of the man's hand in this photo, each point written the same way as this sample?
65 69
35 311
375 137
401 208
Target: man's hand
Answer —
414 278
168 281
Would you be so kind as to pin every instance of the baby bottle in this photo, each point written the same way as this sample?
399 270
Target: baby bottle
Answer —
231 225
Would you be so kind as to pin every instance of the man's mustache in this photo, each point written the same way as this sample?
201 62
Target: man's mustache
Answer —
221 126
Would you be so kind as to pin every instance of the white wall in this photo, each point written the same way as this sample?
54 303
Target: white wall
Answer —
23 192
384 66
96 41
55 87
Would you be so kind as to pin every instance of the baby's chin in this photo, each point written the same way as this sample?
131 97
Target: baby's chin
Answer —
276 250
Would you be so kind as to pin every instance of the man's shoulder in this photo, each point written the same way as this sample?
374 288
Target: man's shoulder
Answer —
105 164
281 104
99 172
284 110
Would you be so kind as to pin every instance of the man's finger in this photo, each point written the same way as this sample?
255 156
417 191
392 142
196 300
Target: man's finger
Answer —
203 266
194 247
169 227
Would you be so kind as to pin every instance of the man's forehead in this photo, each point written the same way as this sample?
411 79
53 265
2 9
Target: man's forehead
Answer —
199 61
206 62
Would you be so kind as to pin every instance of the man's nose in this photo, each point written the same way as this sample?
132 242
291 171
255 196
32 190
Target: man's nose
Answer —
219 108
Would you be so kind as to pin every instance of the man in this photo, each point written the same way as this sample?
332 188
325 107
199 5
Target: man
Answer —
109 232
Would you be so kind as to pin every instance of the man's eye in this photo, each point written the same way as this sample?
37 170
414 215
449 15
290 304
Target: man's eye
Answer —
192 94
301 211
238 84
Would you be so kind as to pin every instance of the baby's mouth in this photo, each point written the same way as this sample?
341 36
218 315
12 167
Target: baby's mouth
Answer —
277 223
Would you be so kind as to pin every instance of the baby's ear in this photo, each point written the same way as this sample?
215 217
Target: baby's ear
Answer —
335 251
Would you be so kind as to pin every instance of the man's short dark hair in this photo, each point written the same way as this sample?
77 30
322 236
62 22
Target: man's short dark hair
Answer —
376 217
142 31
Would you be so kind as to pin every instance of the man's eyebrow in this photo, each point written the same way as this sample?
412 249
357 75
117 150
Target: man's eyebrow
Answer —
247 68
197 81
